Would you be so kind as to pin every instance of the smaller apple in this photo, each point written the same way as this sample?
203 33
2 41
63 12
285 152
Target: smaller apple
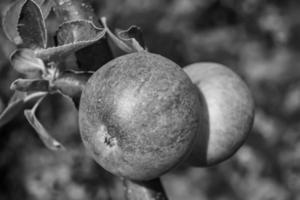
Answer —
229 113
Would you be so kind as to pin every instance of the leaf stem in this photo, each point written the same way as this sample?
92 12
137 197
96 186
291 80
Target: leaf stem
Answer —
144 190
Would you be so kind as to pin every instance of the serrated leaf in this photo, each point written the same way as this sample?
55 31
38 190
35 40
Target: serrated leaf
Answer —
123 45
31 26
76 31
16 104
46 138
30 85
71 84
10 22
55 53
24 61
87 57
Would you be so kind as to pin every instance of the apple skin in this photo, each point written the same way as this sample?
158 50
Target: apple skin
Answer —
139 115
229 113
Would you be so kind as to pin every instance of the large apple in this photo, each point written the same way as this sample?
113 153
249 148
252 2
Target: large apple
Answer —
229 113
139 115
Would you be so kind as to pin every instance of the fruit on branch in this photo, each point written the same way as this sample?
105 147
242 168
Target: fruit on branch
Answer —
139 115
229 114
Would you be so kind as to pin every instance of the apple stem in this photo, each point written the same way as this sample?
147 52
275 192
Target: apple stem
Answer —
144 190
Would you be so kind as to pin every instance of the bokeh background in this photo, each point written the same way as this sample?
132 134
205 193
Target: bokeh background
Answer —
258 39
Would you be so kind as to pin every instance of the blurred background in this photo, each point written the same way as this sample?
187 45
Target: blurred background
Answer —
258 39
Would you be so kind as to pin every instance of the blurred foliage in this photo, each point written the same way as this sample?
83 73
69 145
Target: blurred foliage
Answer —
259 39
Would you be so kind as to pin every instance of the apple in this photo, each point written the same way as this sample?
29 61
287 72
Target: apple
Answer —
229 113
139 115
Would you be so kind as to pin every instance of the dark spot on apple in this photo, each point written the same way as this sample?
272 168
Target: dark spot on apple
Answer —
110 141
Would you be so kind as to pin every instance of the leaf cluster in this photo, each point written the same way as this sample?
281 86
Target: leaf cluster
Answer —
42 66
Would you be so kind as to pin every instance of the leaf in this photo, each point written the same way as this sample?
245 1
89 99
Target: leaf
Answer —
75 31
46 6
32 85
88 58
24 61
16 104
31 26
10 22
71 10
123 45
59 52
71 84
46 138
133 37
39 2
